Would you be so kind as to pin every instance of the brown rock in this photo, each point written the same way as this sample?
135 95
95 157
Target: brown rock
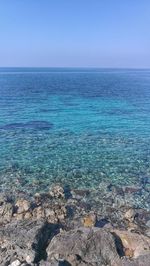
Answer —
129 252
134 244
89 220
28 215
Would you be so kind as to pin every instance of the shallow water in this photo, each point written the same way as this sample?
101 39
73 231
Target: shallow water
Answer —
77 127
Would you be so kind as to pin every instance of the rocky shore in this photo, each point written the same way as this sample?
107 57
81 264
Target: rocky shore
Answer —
65 227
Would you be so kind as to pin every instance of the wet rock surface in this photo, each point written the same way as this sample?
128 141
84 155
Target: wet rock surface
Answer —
63 227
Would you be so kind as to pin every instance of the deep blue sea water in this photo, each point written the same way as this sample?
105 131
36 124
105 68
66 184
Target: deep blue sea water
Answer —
77 127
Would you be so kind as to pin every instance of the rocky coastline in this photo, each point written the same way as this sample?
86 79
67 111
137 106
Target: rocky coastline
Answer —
65 227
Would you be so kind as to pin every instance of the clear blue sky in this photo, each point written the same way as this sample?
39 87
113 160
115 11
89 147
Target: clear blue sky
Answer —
91 33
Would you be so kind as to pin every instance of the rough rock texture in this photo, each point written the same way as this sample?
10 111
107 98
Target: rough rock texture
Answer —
52 214
143 260
84 246
134 244
24 241
6 212
94 246
22 206
63 227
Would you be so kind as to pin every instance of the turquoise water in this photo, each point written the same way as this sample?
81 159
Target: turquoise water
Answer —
78 127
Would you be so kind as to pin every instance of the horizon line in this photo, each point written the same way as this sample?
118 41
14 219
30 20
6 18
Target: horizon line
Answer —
77 67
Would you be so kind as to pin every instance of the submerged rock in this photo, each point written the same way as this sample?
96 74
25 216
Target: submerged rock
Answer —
132 189
57 192
79 193
147 187
35 125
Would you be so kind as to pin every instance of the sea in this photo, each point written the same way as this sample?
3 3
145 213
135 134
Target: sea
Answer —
78 127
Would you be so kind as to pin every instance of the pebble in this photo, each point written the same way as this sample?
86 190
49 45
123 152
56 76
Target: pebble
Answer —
15 263
29 259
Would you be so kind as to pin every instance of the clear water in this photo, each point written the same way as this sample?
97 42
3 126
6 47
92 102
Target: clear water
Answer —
74 126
